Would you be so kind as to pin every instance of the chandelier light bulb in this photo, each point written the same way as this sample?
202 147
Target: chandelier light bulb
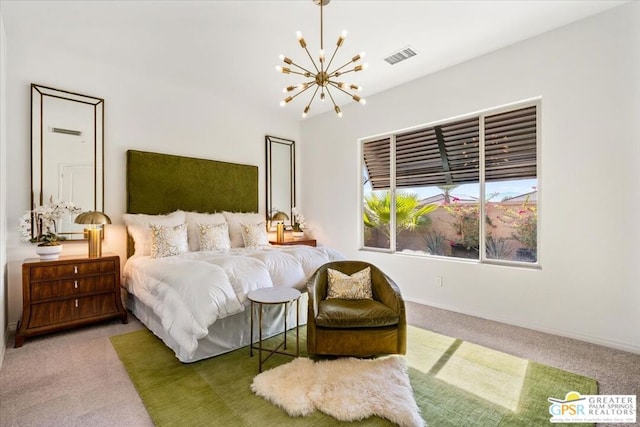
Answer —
299 34
285 59
286 101
355 87
338 111
278 68
362 101
306 110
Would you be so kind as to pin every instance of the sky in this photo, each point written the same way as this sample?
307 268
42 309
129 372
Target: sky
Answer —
497 190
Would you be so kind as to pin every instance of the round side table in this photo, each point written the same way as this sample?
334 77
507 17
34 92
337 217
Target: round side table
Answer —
274 296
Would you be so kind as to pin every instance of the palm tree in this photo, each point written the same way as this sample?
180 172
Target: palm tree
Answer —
409 214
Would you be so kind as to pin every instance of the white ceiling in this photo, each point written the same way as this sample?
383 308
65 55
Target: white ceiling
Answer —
230 48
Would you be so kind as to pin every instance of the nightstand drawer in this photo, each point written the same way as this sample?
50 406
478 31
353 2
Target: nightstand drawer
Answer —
69 287
52 313
73 269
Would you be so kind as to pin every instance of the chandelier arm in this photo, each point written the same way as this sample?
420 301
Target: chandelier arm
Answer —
312 61
337 86
338 69
340 73
302 91
299 73
301 67
331 96
314 95
333 56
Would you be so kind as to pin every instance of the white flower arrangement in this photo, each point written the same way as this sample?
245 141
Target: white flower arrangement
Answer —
44 219
299 222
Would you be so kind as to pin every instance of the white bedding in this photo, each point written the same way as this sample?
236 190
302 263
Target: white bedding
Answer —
190 291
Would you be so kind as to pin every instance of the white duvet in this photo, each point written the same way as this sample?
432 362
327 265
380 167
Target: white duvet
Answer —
189 292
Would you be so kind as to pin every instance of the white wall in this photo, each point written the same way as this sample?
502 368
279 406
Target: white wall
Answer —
588 76
3 189
141 113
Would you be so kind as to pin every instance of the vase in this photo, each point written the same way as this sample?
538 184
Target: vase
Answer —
49 252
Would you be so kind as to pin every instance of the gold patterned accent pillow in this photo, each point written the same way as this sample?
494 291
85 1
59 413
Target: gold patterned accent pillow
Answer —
343 286
214 237
254 235
168 240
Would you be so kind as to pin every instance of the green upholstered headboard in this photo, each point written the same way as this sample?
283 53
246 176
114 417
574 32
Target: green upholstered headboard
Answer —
162 183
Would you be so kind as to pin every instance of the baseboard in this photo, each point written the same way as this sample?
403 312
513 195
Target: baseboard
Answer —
559 332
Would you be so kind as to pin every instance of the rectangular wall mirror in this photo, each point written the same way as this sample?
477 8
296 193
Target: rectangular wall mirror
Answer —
281 172
67 137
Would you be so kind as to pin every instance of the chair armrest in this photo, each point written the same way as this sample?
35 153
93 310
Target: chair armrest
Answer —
386 291
317 290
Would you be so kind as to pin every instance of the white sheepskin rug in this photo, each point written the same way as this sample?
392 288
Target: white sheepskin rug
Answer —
347 389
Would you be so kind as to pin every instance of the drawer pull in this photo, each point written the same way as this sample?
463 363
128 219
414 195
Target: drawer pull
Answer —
75 284
76 303
75 269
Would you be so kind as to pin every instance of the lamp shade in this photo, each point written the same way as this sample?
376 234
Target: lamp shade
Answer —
92 217
279 216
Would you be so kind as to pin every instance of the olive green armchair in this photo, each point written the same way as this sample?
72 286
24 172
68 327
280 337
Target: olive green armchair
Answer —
361 328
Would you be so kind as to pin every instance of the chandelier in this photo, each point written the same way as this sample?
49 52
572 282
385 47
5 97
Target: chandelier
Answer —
323 78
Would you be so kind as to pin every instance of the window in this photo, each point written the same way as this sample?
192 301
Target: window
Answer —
425 189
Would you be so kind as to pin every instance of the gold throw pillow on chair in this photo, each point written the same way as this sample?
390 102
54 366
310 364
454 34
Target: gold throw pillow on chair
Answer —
343 286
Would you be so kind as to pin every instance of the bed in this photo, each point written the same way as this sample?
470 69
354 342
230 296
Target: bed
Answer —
197 247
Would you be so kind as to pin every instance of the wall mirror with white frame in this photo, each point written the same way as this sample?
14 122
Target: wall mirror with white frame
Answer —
67 152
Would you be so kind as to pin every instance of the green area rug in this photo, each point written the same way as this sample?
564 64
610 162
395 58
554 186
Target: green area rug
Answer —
455 383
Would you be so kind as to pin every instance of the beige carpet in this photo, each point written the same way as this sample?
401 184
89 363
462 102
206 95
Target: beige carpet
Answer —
347 389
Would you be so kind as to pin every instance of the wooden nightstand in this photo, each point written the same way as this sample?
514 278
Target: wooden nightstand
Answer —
68 292
307 242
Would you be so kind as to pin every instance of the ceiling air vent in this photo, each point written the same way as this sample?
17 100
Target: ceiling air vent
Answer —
401 55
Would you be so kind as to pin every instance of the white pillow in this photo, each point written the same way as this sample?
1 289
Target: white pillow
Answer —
168 241
138 228
234 219
194 220
213 237
254 235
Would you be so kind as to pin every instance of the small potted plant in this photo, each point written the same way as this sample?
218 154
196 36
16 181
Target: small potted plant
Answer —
299 223
40 226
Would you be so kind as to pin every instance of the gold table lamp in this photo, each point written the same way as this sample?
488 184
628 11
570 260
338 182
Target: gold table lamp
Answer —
94 221
280 217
